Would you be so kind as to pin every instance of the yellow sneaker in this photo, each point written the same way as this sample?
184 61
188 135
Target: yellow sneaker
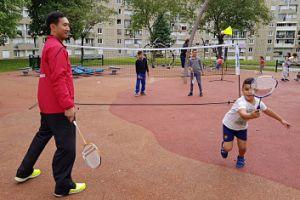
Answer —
35 173
79 188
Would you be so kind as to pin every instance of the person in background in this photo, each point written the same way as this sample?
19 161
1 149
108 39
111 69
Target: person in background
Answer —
141 67
262 63
183 53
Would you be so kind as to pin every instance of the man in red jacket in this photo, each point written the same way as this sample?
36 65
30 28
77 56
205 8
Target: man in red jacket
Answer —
56 102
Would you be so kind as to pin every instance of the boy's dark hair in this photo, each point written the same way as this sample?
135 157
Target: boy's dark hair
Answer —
139 53
195 50
248 81
53 18
295 55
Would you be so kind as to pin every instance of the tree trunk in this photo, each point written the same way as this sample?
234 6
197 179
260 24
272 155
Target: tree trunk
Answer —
82 51
202 9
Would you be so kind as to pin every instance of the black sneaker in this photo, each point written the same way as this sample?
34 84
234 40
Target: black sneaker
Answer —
190 94
143 93
224 153
201 95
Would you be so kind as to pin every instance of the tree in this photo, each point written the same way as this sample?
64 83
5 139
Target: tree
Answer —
162 32
243 15
96 13
82 14
10 14
146 13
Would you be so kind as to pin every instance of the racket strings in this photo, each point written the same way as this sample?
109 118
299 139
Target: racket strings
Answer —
91 156
264 86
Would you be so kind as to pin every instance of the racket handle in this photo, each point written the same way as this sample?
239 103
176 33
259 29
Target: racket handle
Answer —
258 107
81 135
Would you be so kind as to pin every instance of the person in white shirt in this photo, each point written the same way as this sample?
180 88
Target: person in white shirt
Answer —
235 121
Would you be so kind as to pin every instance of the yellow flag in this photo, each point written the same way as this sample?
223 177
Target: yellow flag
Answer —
228 31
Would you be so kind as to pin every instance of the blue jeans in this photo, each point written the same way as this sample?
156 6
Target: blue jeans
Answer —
182 59
198 78
141 79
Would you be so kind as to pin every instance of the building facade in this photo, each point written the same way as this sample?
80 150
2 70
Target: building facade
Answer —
272 41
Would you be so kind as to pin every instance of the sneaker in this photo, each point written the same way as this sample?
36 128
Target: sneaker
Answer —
143 93
282 79
35 173
201 95
240 163
79 188
136 94
224 153
287 79
190 94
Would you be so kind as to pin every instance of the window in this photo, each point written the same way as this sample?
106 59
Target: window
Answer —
269 41
119 41
138 33
119 31
251 41
99 30
273 7
5 54
119 21
270 33
100 41
127 23
119 1
269 49
120 51
250 49
120 11
183 28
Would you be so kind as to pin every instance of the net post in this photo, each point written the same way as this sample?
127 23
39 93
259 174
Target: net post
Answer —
237 67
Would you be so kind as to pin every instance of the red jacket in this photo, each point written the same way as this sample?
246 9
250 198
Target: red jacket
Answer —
56 89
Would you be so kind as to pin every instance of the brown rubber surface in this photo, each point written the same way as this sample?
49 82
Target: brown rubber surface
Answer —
154 152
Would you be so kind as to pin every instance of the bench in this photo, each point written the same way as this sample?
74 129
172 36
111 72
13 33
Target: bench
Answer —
25 71
94 57
114 69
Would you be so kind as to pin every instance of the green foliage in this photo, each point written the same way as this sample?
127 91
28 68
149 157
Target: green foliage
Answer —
82 14
162 32
243 15
10 14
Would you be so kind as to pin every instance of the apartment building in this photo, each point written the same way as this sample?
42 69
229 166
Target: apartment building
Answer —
272 41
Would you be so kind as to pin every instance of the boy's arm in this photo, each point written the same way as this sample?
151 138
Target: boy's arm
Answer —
147 68
136 66
201 66
247 116
274 115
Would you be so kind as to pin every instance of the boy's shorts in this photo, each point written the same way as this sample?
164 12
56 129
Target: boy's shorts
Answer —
228 134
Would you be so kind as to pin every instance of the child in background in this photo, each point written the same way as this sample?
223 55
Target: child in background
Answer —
235 122
195 67
285 67
141 67
219 63
262 63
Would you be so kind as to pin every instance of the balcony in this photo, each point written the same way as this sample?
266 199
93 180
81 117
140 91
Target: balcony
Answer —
25 46
284 44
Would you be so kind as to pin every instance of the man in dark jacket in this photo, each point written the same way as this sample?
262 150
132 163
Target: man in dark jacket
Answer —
56 102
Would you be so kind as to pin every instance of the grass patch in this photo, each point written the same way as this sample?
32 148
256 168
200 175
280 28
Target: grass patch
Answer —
15 64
